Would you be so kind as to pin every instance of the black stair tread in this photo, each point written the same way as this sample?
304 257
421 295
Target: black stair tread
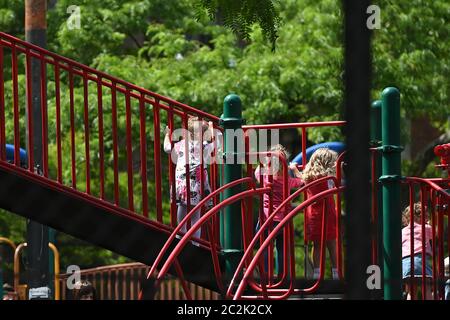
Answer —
133 238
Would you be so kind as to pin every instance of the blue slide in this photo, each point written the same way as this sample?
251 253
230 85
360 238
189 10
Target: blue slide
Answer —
335 146
10 154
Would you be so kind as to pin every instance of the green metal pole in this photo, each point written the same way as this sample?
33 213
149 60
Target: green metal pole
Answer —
231 224
376 141
390 113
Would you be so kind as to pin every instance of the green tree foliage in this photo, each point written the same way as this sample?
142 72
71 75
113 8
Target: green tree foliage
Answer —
176 49
241 15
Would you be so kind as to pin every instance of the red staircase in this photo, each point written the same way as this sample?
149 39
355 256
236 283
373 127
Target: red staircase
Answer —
75 190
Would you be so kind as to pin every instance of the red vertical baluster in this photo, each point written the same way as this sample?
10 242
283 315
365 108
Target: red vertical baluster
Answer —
58 122
72 130
249 174
338 218
86 132
16 106
157 154
115 143
424 259
44 117
202 173
440 242
143 147
433 249
2 109
304 139
271 247
29 95
186 136
305 196
173 205
100 136
411 239
129 151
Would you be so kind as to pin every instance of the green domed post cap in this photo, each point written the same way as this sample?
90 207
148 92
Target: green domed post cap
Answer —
391 163
232 112
375 123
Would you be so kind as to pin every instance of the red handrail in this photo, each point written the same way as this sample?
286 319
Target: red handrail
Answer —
264 245
80 133
187 237
269 220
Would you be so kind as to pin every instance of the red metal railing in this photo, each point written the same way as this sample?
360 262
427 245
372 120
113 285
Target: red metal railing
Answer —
434 206
103 132
123 282
205 219
289 260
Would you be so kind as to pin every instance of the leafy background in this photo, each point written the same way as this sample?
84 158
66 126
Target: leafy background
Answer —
187 50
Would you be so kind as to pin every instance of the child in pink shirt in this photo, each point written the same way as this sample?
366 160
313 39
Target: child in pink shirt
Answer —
417 240
277 196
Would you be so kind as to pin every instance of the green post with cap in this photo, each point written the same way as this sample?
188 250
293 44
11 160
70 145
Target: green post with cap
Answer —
231 226
391 161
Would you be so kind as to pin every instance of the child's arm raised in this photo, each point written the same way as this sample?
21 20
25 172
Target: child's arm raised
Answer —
295 171
167 144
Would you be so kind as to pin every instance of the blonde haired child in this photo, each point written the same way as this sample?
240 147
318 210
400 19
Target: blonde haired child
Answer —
195 161
321 164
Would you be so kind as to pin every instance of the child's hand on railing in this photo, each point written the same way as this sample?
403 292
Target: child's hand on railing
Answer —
294 169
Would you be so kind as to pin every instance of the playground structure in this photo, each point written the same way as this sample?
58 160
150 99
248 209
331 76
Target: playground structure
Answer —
87 202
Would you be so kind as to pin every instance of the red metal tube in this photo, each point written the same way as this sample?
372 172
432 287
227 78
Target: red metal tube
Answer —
16 106
295 125
176 251
423 235
101 150
129 151
72 132
186 137
157 158
339 163
86 133
44 117
188 217
40 51
411 239
287 218
29 95
268 221
115 144
58 123
173 205
202 171
143 147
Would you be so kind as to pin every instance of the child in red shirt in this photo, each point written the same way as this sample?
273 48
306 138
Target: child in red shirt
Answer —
321 164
